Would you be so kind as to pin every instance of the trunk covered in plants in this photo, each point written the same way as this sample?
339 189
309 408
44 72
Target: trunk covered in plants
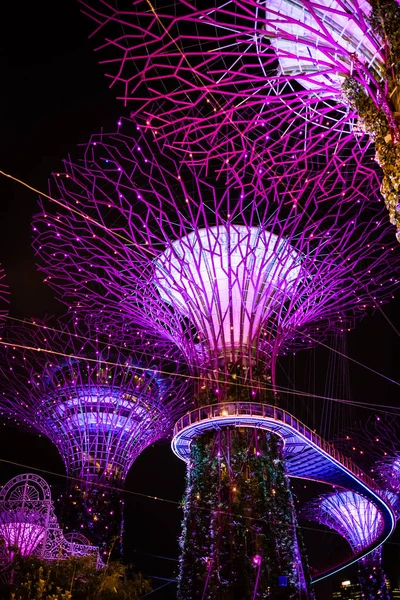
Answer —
239 539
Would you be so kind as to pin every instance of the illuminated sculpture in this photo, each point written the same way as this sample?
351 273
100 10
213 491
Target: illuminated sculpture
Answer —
380 435
28 524
26 513
246 269
247 63
100 401
358 520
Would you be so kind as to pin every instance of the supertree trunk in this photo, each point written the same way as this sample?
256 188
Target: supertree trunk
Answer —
372 577
96 511
239 536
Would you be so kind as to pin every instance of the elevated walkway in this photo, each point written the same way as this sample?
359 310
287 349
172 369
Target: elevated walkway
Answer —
306 454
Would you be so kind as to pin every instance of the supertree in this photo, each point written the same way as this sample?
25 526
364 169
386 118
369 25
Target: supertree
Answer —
100 400
358 520
251 268
28 524
243 63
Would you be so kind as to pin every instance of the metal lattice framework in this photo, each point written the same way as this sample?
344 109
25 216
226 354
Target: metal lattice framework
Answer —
207 78
28 524
100 400
26 513
232 54
252 66
355 517
234 269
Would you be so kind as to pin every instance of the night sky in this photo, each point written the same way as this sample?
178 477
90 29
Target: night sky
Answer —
53 96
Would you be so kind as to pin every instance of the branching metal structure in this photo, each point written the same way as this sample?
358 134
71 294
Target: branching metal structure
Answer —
245 64
100 400
236 269
380 436
28 524
358 520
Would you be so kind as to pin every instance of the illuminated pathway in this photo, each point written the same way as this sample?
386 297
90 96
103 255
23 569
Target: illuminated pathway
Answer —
306 455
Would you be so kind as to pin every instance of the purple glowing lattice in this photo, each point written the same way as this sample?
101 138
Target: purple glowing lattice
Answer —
216 57
247 64
234 269
360 522
98 399
357 519
238 54
237 46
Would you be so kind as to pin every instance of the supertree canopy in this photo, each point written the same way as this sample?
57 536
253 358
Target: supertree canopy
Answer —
28 524
231 268
358 520
99 400
241 61
236 270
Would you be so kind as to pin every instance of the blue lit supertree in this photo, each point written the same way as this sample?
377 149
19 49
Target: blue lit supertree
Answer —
101 397
358 520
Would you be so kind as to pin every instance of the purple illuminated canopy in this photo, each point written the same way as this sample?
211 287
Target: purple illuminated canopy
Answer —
100 399
360 522
245 64
356 518
235 269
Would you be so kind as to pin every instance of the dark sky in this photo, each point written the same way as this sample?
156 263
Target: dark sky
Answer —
53 96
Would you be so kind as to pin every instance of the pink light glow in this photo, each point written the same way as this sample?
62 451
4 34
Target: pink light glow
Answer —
25 536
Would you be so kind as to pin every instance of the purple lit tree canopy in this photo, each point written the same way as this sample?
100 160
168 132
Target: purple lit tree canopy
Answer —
359 521
249 266
100 397
241 62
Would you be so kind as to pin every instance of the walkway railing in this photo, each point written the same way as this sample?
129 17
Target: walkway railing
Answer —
255 409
